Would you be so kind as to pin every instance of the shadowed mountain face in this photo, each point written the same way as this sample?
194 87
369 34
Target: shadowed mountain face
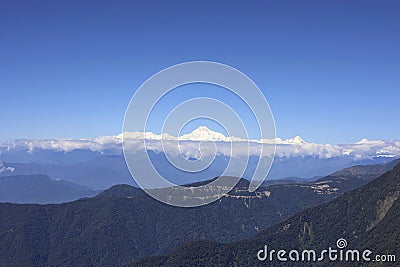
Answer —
40 189
367 218
123 224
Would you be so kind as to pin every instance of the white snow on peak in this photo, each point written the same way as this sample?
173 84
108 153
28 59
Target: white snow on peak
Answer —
365 141
204 134
297 140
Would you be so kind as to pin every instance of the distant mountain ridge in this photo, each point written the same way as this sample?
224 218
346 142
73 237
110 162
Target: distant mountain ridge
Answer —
104 171
40 189
98 173
355 176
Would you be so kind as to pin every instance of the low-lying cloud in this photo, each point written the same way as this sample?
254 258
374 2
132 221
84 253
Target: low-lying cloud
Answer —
204 142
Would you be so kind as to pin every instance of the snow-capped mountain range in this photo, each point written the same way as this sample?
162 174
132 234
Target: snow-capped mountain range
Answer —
98 162
292 147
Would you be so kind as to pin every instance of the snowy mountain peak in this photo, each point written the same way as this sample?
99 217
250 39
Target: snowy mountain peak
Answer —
365 141
297 140
204 134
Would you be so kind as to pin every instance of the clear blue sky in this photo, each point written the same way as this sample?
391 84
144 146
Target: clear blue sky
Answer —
329 69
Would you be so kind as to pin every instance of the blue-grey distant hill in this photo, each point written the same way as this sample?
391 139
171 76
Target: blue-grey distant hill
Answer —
40 189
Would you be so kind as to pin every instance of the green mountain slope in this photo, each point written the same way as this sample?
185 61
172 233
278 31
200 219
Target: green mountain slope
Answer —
367 218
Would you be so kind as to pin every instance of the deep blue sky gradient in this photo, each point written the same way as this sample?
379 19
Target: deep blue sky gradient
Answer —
329 69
